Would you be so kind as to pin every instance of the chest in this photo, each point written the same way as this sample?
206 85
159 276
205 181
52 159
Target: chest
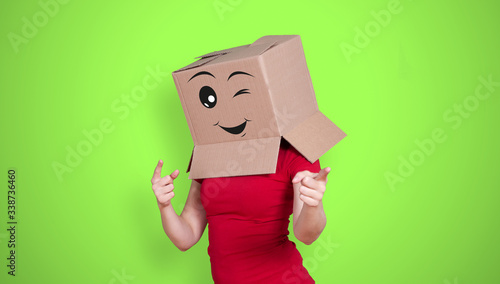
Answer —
256 197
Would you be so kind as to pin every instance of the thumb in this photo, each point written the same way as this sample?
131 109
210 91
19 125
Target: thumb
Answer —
322 175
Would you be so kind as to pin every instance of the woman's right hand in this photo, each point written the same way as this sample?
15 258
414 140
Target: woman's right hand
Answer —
186 229
163 187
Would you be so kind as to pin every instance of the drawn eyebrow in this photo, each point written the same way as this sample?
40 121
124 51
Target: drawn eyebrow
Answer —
242 91
201 73
237 73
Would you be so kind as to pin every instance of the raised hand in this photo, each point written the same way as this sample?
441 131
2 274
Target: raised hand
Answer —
163 187
312 186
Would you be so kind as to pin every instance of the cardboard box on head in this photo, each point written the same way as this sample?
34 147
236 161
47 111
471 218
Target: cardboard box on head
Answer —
239 102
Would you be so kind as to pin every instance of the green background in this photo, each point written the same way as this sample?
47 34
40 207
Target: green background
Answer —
437 224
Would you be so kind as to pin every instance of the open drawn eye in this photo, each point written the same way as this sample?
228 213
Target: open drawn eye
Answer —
208 98
240 92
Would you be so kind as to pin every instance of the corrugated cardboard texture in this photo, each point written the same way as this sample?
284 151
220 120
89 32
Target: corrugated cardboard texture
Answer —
235 158
254 108
289 82
314 136
258 93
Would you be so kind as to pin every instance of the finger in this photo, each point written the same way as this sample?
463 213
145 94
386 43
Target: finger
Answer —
174 174
310 182
322 175
308 200
161 190
314 194
165 180
300 175
168 178
157 172
165 198
169 188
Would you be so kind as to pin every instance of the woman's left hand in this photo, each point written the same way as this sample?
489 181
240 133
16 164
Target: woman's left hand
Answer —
312 186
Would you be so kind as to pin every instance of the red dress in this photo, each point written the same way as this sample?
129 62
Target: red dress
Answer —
248 219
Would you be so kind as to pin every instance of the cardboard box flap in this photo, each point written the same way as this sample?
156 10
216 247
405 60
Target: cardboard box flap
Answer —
230 54
278 39
224 51
248 51
314 136
258 49
198 63
235 158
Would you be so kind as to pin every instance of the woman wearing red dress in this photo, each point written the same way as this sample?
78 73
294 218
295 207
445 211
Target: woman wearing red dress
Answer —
248 219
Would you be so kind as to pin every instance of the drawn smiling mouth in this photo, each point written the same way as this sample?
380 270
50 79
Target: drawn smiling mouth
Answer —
234 130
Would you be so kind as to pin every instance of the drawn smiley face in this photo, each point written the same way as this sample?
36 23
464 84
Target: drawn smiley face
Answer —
208 98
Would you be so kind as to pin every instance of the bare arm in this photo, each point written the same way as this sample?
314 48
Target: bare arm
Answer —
309 217
184 230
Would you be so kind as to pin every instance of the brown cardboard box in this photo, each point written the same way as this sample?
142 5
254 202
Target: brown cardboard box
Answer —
239 102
